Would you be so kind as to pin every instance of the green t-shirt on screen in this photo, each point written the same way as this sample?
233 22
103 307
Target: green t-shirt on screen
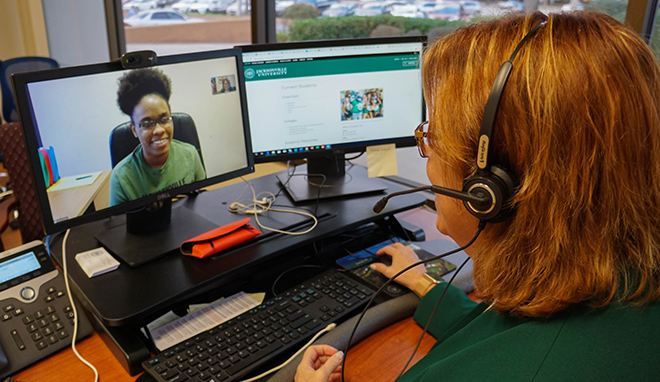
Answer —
133 178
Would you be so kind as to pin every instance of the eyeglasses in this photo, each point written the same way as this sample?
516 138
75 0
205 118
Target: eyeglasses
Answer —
150 123
421 137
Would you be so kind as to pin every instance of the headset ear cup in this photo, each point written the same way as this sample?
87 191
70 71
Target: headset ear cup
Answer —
501 185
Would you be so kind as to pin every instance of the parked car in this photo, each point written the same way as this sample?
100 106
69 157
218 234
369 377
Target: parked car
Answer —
201 6
451 11
220 6
471 7
238 8
320 5
426 6
513 5
183 6
156 17
372 8
572 6
410 10
282 5
339 10
164 3
139 5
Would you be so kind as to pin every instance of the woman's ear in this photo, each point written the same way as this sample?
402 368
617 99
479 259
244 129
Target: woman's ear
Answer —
134 130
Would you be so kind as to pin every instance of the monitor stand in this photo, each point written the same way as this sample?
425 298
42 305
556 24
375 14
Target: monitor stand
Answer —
153 233
328 177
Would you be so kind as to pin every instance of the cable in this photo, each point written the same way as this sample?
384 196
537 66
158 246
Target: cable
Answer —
276 368
428 322
277 279
265 204
482 225
75 312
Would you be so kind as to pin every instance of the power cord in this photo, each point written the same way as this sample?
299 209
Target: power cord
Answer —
75 311
258 206
302 349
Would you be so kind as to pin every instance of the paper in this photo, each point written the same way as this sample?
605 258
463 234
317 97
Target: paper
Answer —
381 160
96 262
74 181
203 319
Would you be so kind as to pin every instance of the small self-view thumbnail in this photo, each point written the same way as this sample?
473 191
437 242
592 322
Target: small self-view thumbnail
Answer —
223 84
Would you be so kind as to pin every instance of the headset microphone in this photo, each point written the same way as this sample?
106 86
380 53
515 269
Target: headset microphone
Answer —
478 199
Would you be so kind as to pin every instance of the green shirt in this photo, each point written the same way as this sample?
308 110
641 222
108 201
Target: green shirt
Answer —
133 178
615 343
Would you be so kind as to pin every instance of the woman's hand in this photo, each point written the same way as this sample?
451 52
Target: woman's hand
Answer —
320 363
402 256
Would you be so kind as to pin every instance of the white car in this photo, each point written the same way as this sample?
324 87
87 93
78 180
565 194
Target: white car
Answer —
220 6
183 6
156 17
407 11
139 5
471 7
572 6
201 6
282 5
425 6
238 8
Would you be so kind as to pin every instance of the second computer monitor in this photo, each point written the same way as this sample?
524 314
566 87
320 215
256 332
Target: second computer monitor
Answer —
321 99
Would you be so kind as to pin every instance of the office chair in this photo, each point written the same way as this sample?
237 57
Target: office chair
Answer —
17 164
123 142
17 65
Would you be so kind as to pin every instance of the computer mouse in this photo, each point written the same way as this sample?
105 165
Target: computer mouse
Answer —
385 259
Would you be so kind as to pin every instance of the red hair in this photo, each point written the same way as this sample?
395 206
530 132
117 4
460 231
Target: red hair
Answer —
579 125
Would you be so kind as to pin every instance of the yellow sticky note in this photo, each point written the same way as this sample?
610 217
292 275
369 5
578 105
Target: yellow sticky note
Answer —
381 160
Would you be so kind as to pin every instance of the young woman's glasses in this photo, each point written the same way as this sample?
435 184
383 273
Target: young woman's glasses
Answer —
421 137
149 124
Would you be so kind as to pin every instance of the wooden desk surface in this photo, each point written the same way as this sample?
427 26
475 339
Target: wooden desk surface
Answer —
380 357
73 202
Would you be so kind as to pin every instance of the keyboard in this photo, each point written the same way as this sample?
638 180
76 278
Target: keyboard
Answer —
277 328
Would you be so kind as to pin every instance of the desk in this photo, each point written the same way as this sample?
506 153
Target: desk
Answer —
74 201
139 295
380 357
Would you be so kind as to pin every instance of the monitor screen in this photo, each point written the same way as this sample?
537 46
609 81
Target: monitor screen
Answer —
321 99
104 140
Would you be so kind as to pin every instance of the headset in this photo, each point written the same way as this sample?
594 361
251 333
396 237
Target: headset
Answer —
487 194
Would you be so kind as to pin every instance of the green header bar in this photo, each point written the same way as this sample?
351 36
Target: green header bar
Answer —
320 67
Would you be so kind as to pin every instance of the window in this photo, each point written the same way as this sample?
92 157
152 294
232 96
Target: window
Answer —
171 26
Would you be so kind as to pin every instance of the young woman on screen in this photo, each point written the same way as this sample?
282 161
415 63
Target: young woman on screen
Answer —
570 283
159 162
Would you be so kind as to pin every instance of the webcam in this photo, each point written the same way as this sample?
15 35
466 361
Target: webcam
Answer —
138 59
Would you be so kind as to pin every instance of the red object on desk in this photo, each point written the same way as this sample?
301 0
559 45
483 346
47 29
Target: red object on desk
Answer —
219 239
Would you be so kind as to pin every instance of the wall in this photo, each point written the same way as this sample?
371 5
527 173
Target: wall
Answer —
77 32
22 29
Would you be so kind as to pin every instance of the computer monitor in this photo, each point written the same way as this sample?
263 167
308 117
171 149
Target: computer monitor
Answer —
91 160
319 100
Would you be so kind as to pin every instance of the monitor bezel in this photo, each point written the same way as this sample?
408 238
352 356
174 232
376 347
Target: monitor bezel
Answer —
353 147
20 81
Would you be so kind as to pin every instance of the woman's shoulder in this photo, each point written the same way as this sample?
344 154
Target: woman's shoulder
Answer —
129 162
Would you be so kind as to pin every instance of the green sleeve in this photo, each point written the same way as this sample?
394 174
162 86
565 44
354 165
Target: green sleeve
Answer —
117 194
200 173
455 310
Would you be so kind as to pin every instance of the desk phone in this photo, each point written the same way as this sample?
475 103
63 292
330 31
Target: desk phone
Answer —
36 317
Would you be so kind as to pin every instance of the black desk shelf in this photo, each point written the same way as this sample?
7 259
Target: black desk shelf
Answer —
128 298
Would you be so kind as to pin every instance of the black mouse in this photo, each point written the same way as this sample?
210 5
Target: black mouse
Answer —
385 259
